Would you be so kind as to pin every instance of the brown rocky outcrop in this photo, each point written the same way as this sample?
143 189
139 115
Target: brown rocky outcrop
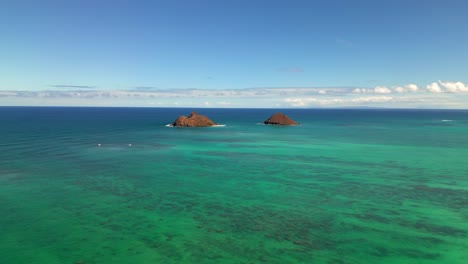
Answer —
280 119
193 120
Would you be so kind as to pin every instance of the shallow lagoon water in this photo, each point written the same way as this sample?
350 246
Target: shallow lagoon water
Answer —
346 186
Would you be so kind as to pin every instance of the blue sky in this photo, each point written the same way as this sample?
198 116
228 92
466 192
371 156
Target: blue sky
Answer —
322 53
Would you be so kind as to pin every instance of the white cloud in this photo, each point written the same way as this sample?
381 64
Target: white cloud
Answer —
372 99
412 87
386 90
359 90
382 90
399 89
300 102
406 88
378 89
454 87
441 94
311 101
433 88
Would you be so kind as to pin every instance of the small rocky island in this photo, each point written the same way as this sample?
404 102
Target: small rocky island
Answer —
193 120
280 119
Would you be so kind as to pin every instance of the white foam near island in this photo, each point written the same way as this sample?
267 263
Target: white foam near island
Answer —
171 125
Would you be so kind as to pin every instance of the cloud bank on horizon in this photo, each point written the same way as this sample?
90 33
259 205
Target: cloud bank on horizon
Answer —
440 94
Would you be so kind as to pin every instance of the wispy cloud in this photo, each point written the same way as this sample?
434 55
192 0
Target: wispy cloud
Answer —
313 101
407 88
72 86
144 88
378 89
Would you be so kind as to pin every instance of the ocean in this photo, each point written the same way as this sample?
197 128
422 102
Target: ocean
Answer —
345 186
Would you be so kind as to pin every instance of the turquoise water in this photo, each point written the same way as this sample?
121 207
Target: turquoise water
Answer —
346 186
